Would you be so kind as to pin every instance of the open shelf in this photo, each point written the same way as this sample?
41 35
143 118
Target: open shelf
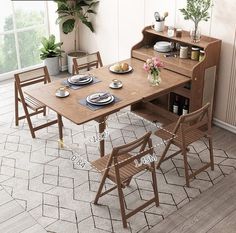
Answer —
205 40
183 92
176 64
154 112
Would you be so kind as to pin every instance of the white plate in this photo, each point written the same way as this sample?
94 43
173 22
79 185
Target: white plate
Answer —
162 46
67 93
83 82
115 86
162 50
108 100
76 78
96 95
120 72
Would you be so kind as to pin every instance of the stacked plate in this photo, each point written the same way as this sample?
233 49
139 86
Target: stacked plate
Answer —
100 98
162 46
80 79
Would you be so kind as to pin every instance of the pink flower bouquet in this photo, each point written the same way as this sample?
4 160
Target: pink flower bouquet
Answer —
153 66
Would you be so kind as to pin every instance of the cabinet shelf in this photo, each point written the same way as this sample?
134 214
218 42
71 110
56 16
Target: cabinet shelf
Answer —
183 92
154 112
185 39
202 75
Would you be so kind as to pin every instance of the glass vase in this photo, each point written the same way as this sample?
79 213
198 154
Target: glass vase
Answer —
195 35
154 79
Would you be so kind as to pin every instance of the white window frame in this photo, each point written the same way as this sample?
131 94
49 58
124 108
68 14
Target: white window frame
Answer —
50 8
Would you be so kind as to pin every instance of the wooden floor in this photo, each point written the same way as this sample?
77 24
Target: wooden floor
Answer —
224 140
214 211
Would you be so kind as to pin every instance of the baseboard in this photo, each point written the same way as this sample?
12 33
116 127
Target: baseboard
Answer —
64 68
224 125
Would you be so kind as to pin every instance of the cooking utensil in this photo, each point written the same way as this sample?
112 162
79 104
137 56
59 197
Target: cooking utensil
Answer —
157 16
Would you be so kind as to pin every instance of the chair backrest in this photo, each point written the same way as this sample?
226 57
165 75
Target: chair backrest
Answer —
200 118
86 62
124 149
30 77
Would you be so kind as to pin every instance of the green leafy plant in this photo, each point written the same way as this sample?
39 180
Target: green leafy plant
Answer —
50 48
71 12
196 10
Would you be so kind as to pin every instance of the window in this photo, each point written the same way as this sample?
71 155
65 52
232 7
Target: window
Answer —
22 25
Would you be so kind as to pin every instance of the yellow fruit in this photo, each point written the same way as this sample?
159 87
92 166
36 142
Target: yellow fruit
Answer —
117 67
124 66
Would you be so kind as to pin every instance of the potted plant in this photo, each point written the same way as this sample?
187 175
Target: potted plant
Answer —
196 10
50 53
70 13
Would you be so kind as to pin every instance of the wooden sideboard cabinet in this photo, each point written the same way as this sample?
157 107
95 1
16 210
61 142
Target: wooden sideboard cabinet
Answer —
202 74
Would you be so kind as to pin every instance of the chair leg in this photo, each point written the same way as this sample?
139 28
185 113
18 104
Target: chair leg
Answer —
163 154
211 153
44 111
29 121
100 188
185 166
122 205
154 183
128 181
30 126
16 114
16 107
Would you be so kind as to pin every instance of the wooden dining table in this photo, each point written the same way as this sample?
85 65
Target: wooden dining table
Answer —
135 88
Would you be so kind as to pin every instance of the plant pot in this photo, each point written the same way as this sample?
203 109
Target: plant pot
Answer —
70 57
52 64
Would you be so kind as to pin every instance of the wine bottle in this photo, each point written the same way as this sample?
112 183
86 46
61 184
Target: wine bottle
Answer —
185 107
176 105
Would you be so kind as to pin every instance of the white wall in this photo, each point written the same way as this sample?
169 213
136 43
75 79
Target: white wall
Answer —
119 23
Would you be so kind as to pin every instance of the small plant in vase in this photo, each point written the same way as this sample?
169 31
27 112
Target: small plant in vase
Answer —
196 10
153 68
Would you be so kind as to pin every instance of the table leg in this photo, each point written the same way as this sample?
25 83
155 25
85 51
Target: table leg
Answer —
60 125
102 127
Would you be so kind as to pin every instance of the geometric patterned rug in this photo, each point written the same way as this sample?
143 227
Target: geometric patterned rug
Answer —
57 189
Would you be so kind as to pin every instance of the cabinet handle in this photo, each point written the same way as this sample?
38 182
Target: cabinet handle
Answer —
195 79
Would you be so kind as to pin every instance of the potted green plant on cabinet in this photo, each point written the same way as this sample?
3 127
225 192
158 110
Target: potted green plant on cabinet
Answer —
50 53
196 10
70 13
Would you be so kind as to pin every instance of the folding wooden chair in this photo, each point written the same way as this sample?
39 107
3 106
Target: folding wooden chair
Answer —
188 129
24 79
87 62
119 167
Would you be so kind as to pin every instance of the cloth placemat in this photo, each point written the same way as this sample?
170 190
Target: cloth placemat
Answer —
75 87
96 107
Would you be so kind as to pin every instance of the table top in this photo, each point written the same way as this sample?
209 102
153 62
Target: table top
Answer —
135 89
